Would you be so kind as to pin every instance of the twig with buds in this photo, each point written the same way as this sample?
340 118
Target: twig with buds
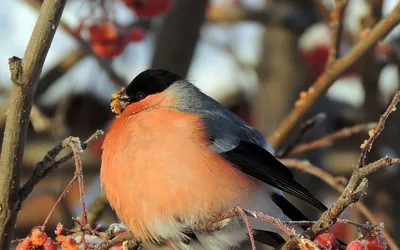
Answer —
338 183
309 98
327 140
337 17
358 182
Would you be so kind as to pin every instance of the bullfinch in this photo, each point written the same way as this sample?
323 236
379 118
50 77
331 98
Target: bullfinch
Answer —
174 159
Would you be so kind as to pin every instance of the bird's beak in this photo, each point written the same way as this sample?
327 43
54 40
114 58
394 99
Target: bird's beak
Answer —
119 100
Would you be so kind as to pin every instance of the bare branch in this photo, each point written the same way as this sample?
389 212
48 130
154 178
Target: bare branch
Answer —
305 129
373 134
49 164
330 138
326 79
63 194
120 238
338 183
358 182
181 48
25 75
337 28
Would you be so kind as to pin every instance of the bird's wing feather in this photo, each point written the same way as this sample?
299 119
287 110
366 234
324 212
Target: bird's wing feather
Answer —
258 163
241 144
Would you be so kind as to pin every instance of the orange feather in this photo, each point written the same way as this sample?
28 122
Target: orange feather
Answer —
157 165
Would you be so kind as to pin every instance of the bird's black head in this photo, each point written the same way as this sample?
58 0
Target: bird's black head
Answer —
148 82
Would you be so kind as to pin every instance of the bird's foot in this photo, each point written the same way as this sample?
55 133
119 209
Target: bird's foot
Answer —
216 226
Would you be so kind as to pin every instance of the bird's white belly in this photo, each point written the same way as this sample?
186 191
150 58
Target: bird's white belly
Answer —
230 236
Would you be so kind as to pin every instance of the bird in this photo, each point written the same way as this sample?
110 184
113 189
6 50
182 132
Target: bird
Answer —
174 159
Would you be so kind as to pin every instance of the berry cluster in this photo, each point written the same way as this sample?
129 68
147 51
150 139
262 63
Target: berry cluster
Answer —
372 242
327 240
109 39
37 239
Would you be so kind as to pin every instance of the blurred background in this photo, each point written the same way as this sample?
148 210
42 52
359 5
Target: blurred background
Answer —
254 56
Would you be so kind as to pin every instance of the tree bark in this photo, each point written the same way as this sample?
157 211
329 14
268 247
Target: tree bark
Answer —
177 39
24 75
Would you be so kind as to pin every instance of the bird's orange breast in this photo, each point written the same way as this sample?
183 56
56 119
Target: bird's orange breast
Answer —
157 166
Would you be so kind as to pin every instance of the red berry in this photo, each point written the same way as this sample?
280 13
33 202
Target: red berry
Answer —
327 240
107 40
316 59
102 32
59 229
50 245
38 237
24 245
375 243
108 50
356 245
340 230
148 8
67 243
137 34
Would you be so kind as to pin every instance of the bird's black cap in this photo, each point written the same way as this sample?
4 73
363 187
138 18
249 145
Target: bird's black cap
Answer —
149 82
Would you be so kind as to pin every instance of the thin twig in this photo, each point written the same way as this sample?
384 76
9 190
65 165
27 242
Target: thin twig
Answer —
291 232
63 194
111 240
24 75
248 226
373 134
236 211
376 165
307 167
327 140
49 164
338 183
337 17
120 238
75 145
271 220
358 182
305 128
326 13
330 75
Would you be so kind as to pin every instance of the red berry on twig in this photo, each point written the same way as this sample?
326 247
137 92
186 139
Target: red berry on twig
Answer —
24 245
356 245
327 240
376 242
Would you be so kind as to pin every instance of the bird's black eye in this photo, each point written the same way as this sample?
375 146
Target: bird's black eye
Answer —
140 96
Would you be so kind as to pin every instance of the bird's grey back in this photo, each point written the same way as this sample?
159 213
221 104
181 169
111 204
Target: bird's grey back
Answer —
224 127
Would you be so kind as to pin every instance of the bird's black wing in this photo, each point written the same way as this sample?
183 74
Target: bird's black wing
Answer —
260 164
